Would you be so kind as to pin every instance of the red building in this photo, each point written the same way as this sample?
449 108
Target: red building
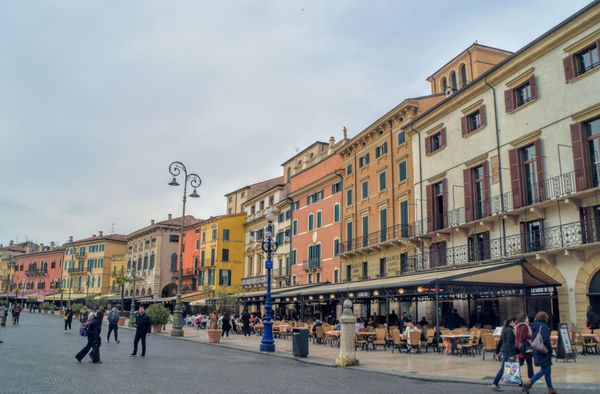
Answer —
191 255
316 219
39 273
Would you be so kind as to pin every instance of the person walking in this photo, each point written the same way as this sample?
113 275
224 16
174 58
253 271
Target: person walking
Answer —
508 350
143 325
226 325
16 312
246 323
113 324
541 358
93 338
3 314
68 318
523 340
83 315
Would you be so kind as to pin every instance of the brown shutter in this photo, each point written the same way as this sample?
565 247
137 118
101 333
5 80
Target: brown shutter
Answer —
443 258
427 146
463 126
581 161
515 178
569 65
522 228
509 100
533 87
429 191
445 196
487 207
486 245
471 247
539 163
468 189
542 245
587 225
443 137
482 116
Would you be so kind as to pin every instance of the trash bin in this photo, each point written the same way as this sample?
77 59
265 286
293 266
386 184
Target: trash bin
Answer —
300 342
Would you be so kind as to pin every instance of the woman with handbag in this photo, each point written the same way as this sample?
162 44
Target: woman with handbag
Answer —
508 350
542 352
68 318
523 337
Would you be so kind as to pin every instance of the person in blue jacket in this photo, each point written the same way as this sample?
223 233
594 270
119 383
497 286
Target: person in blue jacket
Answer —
541 359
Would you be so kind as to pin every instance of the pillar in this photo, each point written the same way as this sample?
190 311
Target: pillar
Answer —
347 356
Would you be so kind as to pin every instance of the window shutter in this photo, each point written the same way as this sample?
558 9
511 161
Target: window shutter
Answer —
427 146
542 244
429 191
515 178
569 65
587 225
463 126
580 157
433 258
471 248
539 161
482 116
533 87
486 246
443 137
509 100
523 233
445 197
487 207
442 256
468 189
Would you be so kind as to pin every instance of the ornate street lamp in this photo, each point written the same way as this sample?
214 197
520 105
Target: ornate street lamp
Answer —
267 344
176 168
133 276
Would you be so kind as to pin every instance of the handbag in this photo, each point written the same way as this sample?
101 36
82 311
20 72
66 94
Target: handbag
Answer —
65 318
538 344
512 373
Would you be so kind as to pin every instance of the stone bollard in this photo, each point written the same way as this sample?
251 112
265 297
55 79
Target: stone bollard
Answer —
347 355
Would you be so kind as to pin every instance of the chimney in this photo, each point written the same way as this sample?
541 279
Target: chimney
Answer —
170 216
52 245
41 247
28 248
93 235
152 222
100 233
70 239
11 243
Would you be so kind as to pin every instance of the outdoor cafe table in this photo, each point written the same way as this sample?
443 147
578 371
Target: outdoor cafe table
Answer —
333 333
454 338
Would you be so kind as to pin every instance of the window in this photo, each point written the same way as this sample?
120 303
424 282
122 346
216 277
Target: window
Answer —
479 246
210 279
365 189
252 210
145 262
316 196
476 188
592 135
363 161
382 181
262 205
349 169
203 236
581 62
349 197
381 150
311 222
522 94
280 218
293 257
437 252
173 238
224 277
197 244
173 262
288 214
214 234
202 258
309 279
435 142
529 171
336 212
382 267
365 230
314 256
532 236
462 69
383 224
212 256
365 270
53 265
453 83
243 194
349 235
402 171
336 247
318 277
296 205
151 261
319 219
336 276
336 187
295 227
436 206
225 255
404 267
444 84
473 121
271 200
401 138
348 273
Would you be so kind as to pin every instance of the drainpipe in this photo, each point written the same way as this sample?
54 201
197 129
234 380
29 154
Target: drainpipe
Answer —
497 129
341 176
289 266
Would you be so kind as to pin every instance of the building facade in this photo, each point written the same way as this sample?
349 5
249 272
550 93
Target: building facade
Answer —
38 272
8 255
507 170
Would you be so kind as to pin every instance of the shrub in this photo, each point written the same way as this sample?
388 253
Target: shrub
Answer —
76 308
46 306
158 314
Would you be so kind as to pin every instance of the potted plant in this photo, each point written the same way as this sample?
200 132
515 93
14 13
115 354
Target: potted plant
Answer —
214 334
122 319
76 309
159 315
46 307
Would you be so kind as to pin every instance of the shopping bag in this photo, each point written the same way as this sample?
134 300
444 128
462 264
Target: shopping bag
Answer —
512 373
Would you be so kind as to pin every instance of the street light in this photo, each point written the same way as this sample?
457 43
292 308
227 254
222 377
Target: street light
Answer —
267 344
176 168
133 276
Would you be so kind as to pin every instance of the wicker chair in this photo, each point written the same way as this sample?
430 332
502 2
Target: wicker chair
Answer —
489 345
380 335
414 341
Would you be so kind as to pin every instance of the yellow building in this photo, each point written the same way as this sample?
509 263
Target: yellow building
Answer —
220 247
118 265
88 264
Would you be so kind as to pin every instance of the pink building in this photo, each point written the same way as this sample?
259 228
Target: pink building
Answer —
39 273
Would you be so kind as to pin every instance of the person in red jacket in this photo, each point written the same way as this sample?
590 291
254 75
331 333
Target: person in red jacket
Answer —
523 342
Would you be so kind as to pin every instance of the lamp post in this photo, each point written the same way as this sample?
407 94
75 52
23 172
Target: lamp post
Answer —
176 168
267 344
134 274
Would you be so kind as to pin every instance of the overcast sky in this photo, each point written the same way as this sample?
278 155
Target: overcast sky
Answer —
98 97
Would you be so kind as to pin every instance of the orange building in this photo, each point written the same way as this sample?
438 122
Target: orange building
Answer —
191 257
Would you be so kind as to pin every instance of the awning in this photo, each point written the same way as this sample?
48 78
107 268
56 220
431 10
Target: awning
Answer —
198 303
195 296
261 293
516 274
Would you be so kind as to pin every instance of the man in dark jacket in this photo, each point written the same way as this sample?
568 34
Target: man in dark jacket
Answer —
246 323
143 326
508 349
113 324
93 340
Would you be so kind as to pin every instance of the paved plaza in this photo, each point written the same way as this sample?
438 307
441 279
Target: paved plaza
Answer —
37 357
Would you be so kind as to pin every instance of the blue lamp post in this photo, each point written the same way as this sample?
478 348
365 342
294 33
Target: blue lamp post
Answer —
267 344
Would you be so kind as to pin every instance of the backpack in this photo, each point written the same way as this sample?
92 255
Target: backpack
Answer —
113 317
84 329
538 344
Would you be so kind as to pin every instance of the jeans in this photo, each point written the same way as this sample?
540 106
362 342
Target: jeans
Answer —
68 324
246 329
91 345
546 372
504 358
529 362
111 328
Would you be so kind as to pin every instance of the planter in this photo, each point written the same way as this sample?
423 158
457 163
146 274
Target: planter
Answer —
122 320
46 312
214 336
61 312
157 328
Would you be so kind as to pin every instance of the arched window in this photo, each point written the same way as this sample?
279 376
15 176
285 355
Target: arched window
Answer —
149 292
595 285
137 292
463 75
143 292
126 293
128 264
151 261
145 262
453 79
444 84
174 262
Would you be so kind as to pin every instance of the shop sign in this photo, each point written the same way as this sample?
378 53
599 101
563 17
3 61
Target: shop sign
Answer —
363 294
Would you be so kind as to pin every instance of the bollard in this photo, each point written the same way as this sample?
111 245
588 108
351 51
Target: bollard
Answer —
347 355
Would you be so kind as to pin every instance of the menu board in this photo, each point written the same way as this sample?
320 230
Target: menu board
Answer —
565 350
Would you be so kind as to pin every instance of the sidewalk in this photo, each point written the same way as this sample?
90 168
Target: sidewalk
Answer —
426 366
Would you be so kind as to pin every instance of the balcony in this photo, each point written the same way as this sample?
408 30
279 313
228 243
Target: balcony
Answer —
377 240
76 270
36 272
568 239
312 264
188 273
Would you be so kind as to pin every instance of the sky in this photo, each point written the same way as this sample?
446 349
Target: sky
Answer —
97 98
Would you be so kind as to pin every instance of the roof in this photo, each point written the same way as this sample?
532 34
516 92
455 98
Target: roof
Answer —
59 249
187 221
501 64
261 187
303 151
474 45
110 237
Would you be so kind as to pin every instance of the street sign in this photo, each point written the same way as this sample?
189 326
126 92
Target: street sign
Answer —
269 264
